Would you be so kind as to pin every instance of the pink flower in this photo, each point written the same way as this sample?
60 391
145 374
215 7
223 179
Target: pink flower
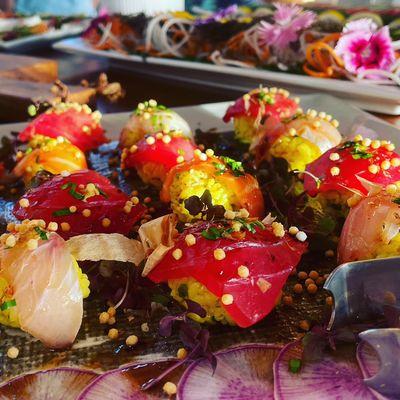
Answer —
363 47
289 21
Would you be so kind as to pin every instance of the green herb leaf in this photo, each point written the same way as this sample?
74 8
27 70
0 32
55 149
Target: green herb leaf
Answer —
220 168
235 166
41 233
102 192
62 212
294 365
212 233
8 304
396 200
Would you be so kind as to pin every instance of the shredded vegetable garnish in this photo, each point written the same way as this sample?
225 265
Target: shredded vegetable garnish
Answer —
8 304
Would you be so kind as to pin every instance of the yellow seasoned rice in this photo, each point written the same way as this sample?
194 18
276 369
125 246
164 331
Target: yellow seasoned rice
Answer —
195 291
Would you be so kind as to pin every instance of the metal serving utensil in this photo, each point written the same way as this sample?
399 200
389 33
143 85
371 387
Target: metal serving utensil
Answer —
362 289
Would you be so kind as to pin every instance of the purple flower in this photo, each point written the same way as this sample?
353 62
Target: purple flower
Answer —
363 47
219 15
289 21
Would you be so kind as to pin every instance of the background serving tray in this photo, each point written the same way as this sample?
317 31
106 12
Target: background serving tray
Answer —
92 348
384 99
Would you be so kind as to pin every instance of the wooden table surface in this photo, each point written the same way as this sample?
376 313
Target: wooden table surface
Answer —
139 87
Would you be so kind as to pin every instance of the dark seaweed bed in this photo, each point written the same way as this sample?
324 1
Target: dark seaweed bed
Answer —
93 350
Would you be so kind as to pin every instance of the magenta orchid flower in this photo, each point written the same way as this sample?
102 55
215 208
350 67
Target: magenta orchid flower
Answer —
289 22
364 47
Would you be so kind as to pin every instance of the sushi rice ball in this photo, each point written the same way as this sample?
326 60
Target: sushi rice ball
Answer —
154 156
303 138
251 111
220 179
150 118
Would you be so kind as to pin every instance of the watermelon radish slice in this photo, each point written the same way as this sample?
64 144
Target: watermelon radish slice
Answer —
125 383
379 359
242 373
333 377
54 384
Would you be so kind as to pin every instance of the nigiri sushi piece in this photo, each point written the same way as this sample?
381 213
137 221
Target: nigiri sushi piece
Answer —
219 183
351 169
42 287
299 140
51 155
251 111
372 228
155 155
150 118
234 269
79 203
76 123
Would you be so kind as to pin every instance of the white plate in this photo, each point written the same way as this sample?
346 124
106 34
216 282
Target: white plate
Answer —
206 116
384 99
26 43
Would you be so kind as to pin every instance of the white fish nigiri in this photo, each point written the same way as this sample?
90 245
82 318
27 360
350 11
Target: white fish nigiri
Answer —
45 282
371 229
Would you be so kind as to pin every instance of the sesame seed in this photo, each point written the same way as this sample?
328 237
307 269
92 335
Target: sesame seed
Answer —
203 157
334 156
131 340
180 159
169 388
190 240
227 299
229 214
86 212
374 169
152 103
264 285
65 226
106 222
113 333
11 241
322 115
278 229
395 162
12 352
366 142
335 123
329 253
385 165
32 244
292 132
135 200
177 254
181 353
72 209
219 254
133 148
243 271
301 236
391 189
335 171
150 140
375 144
104 317
166 139
52 226
390 147
312 113
209 152
293 230
243 213
24 203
